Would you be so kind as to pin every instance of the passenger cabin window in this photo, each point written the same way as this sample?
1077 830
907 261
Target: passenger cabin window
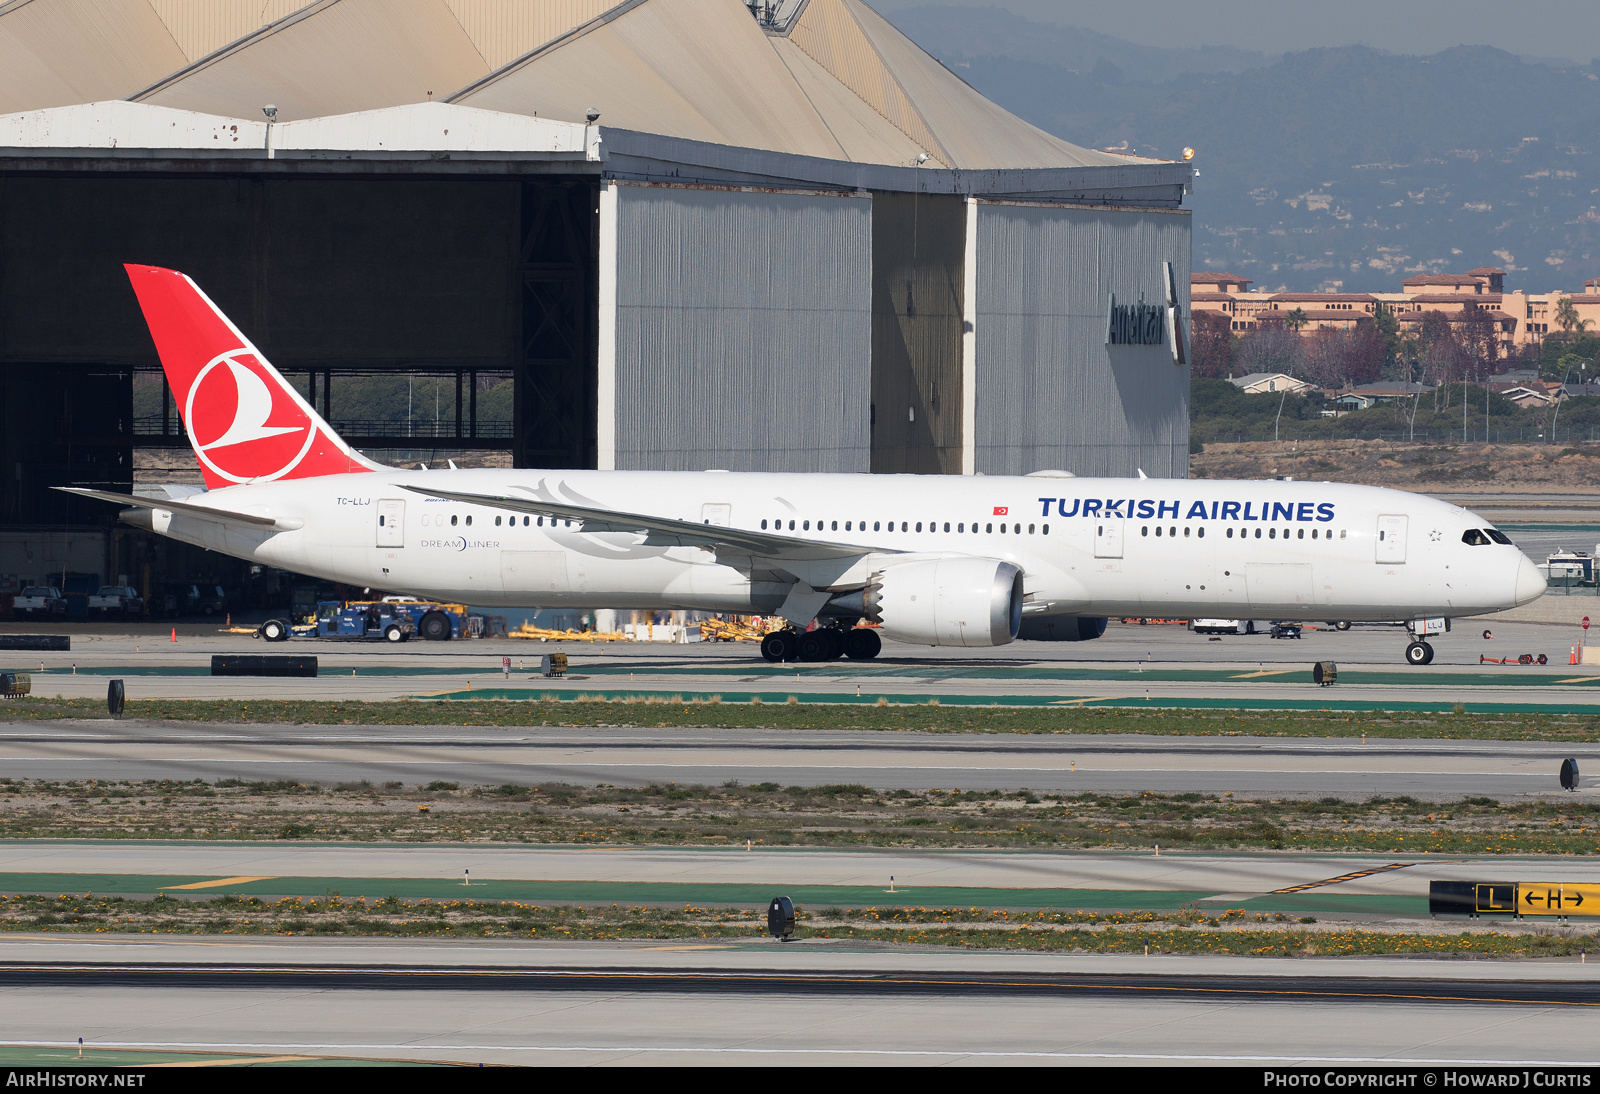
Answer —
452 520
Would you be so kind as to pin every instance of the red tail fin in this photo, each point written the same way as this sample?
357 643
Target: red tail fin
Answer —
245 422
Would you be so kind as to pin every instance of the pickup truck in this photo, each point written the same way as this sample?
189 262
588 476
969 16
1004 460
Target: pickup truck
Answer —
123 600
39 600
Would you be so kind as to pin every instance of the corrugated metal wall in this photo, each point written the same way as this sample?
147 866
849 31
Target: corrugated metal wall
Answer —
1050 392
744 330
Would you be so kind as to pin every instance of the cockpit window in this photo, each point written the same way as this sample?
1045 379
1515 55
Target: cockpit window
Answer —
1472 537
1497 536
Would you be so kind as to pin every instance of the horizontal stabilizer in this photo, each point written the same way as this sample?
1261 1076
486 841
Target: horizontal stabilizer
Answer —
664 531
187 508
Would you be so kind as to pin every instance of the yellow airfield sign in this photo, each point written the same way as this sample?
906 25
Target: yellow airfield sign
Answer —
1557 898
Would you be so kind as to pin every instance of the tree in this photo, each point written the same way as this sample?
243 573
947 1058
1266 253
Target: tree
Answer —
1567 317
1479 336
1395 341
1295 320
1268 348
1210 344
1365 352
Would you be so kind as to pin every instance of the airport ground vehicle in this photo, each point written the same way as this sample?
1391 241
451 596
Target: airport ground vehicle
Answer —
123 600
1225 626
1286 630
370 619
188 598
39 602
934 560
394 619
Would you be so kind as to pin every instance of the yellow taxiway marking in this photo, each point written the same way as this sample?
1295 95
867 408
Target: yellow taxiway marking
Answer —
1342 877
218 883
1266 672
235 1061
1579 680
1086 699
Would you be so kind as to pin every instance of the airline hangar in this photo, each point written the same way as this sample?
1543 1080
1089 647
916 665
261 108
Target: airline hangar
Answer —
694 235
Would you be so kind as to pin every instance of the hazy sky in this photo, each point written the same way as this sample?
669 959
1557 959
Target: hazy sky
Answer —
1543 28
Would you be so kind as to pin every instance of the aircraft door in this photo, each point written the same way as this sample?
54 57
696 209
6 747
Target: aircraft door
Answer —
1108 537
715 513
1391 546
391 522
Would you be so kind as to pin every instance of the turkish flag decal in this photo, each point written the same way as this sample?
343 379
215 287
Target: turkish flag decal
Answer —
1001 510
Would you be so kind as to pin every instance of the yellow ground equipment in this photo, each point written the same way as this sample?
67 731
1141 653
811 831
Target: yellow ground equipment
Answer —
741 628
546 634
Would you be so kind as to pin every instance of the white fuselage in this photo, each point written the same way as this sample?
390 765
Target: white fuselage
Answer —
1151 547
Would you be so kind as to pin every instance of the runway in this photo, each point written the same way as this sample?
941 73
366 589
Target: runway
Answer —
656 1005
1055 763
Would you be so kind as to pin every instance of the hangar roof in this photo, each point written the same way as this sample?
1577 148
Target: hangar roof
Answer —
412 130
837 82
829 79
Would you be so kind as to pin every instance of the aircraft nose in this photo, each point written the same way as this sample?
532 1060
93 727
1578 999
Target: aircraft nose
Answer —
1530 582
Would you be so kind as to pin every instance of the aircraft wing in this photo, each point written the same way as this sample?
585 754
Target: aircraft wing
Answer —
185 507
664 531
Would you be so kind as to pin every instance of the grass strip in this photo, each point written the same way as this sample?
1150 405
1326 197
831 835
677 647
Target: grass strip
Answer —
928 717
769 815
1187 931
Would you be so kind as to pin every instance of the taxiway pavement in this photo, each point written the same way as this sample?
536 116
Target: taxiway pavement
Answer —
1349 767
765 1003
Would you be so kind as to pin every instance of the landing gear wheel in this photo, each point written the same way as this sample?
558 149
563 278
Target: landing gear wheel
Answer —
1342 625
392 633
274 630
1419 653
821 644
780 646
862 644
435 627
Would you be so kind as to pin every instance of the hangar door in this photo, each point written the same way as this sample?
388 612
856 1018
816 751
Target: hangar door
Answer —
743 330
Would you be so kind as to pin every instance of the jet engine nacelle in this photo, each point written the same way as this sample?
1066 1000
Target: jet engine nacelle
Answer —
948 602
1062 628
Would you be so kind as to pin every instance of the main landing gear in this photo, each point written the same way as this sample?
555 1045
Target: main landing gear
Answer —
1419 653
822 644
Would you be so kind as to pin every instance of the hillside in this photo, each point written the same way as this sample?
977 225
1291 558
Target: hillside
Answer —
1482 468
1332 168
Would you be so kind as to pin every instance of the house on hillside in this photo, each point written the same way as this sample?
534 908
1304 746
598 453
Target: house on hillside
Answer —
1535 393
1263 383
1366 395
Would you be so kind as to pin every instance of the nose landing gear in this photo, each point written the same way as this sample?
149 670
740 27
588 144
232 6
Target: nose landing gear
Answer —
1419 653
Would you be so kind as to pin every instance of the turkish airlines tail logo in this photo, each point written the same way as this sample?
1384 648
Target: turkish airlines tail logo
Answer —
245 422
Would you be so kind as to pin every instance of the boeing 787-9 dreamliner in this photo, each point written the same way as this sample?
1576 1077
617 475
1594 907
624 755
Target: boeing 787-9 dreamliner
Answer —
932 560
